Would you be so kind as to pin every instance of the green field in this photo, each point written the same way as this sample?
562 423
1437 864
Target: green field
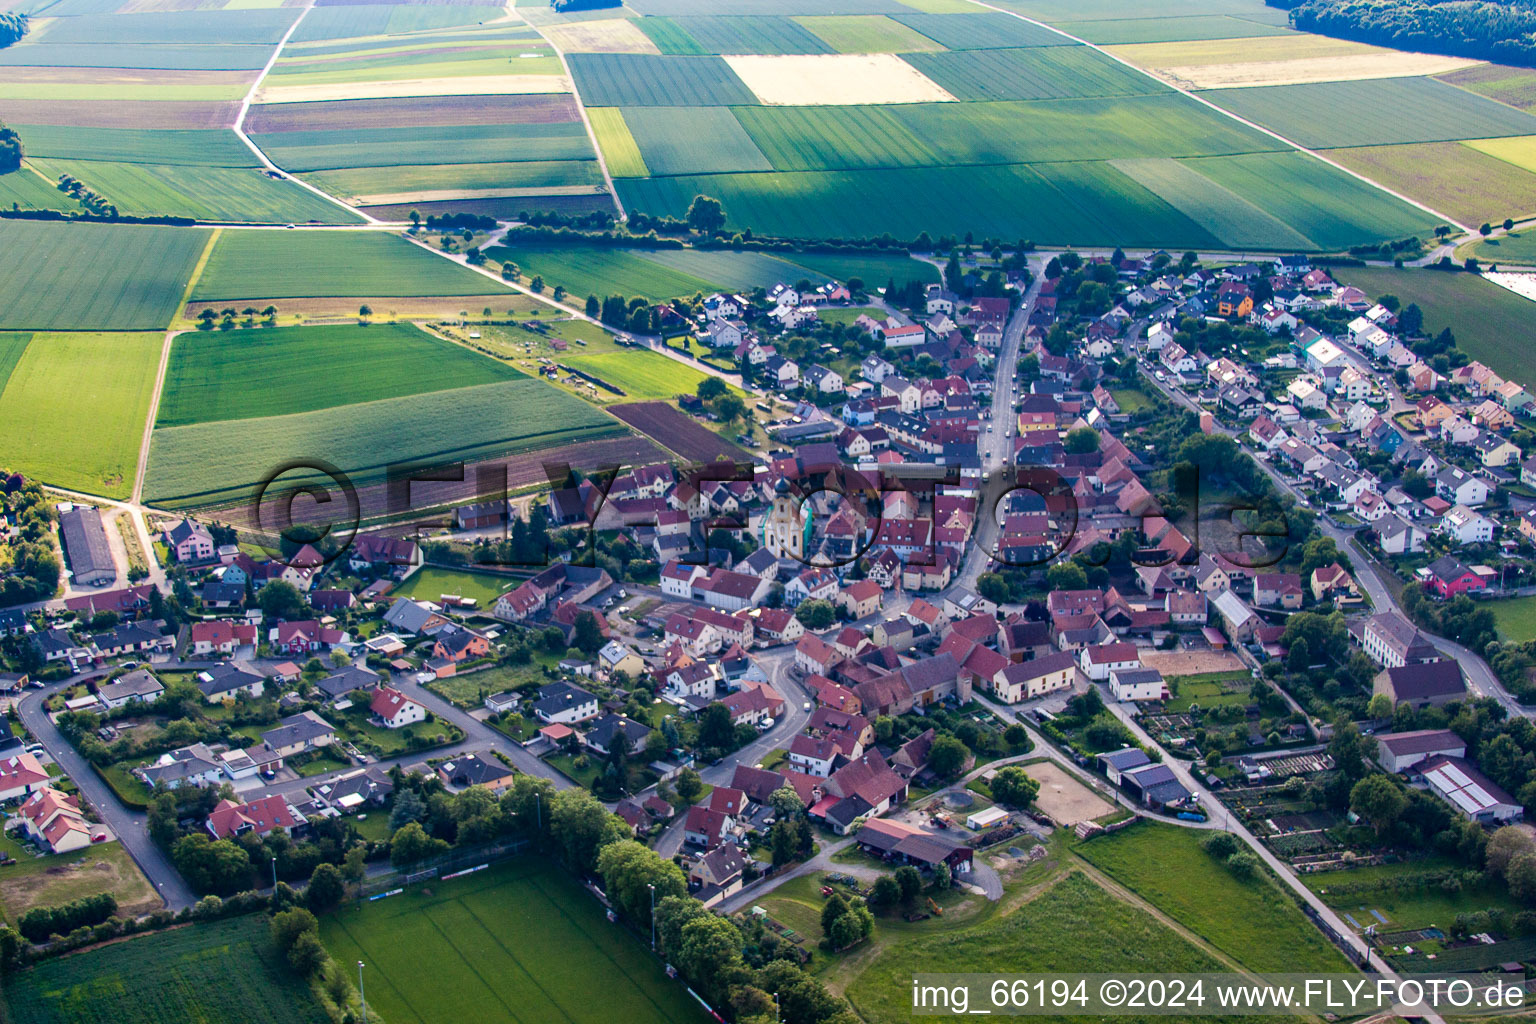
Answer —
1517 247
1452 177
1326 205
642 376
223 972
647 80
197 464
29 190
134 145
1491 324
984 30
430 583
750 35
1325 115
72 411
276 264
670 37
167 57
693 140
1073 926
1033 73
520 942
196 27
276 371
1166 30
1516 618
868 33
616 141
1514 86
446 144
1255 923
136 272
378 19
239 194
1224 213
403 180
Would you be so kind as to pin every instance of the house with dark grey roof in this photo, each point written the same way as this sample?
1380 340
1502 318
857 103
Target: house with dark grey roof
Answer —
85 544
347 680
223 682
606 731
1400 751
1422 684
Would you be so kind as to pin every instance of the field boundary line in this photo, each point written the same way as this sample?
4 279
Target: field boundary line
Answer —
1298 147
581 107
245 108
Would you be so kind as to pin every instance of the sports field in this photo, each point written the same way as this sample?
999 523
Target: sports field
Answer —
221 972
1490 323
1254 922
299 264
196 464
73 405
216 375
519 942
137 274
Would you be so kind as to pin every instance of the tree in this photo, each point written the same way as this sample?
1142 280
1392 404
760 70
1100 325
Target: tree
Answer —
306 956
412 845
947 756
784 841
326 888
1082 440
594 307
1380 706
1485 230
909 882
408 807
629 870
710 388
716 730
1016 736
993 587
1377 799
835 907
730 408
689 785
1243 864
886 893
1013 787
1221 845
211 866
706 215
816 614
365 311
280 599
1521 876
1066 576
588 635
581 827
290 925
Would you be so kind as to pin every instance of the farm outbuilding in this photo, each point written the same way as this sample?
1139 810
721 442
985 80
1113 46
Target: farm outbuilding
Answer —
985 819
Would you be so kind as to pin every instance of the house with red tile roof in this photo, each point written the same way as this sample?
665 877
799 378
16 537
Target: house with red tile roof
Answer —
269 814
21 775
394 709
53 818
222 636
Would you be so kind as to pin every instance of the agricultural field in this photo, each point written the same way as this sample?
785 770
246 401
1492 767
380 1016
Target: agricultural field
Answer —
221 972
160 57
690 439
273 264
136 145
520 941
614 138
1219 210
1322 115
1290 59
1035 73
55 880
272 119
408 183
339 21
1470 182
327 149
734 34
1516 247
73 408
645 80
1256 922
225 194
1514 86
191 27
835 79
1495 333
868 33
272 371
1164 30
195 464
693 140
137 273
27 189
605 35
984 30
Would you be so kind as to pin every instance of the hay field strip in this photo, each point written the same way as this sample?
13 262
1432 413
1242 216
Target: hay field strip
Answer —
426 144
1473 181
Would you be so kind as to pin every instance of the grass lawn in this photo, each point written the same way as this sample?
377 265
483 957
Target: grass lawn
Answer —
129 788
72 410
465 690
1516 618
521 941
50 881
1130 400
321 765
1212 689
1488 321
430 583
1405 909
1254 922
373 826
215 972
1074 925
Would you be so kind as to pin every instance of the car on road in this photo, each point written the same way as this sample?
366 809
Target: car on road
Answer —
806 706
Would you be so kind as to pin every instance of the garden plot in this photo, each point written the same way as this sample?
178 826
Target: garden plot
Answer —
842 79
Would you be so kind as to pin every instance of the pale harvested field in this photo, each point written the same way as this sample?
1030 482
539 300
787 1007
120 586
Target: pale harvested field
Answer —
1062 798
612 35
104 868
835 79
1347 68
1191 663
444 195
472 85
1235 51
